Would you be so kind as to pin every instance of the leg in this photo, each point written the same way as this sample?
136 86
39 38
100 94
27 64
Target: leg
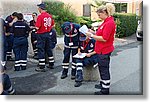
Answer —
34 44
79 74
103 63
9 40
49 51
73 71
65 64
16 50
24 50
41 52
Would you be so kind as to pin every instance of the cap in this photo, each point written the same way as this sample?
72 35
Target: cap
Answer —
67 27
82 37
42 6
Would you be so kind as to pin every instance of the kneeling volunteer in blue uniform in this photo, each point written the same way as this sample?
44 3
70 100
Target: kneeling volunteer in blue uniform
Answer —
86 46
20 44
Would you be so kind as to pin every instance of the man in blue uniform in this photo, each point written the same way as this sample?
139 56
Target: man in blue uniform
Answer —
33 35
20 45
71 41
9 36
86 46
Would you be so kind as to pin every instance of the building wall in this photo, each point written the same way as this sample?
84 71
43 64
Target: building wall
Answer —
23 6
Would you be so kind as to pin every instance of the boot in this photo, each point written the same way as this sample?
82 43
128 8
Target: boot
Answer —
79 76
73 74
64 73
77 84
51 66
103 91
98 86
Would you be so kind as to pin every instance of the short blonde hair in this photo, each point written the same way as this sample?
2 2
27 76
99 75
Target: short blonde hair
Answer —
109 8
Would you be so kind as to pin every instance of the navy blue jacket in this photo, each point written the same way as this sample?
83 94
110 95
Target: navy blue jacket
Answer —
20 29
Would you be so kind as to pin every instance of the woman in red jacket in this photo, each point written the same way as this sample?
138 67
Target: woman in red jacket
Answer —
104 44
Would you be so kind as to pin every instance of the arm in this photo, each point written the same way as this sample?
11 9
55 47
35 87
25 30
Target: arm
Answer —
90 54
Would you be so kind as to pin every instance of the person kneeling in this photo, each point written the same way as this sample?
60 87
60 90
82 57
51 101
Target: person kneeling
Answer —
85 50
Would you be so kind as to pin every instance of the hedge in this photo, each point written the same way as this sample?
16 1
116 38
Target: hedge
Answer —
61 13
126 24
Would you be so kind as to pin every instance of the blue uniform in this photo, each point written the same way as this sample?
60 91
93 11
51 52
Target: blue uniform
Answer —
34 38
85 47
9 37
20 44
7 87
71 43
53 38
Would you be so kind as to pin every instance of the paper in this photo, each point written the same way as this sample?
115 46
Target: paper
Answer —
82 55
84 29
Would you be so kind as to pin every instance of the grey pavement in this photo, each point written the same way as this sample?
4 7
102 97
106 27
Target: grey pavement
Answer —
126 73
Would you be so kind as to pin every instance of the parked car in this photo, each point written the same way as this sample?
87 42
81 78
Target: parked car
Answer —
139 32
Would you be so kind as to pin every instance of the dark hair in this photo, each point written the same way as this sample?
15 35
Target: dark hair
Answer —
14 14
34 13
20 16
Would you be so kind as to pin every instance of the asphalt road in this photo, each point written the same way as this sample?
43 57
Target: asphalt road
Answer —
126 73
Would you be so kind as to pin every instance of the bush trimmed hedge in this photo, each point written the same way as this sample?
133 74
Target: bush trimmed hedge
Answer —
126 24
60 13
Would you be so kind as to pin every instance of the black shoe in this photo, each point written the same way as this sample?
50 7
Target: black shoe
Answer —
77 84
64 73
10 59
98 86
50 67
73 77
101 93
17 69
24 68
63 76
40 69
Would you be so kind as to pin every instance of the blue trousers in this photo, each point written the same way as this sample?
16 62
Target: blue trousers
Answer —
20 48
80 63
44 47
67 52
103 63
9 41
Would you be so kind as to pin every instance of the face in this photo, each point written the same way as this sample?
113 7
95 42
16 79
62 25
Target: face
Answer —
102 15
39 9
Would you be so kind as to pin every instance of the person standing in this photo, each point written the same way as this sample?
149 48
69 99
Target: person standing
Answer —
71 40
104 44
44 25
9 36
21 30
33 35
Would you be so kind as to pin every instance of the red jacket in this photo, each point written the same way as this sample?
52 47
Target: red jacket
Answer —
107 30
44 23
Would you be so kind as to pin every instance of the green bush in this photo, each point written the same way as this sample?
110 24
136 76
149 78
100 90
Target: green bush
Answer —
61 13
126 24
84 21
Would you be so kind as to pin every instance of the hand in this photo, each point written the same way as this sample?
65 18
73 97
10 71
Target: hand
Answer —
88 34
79 53
91 31
88 55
